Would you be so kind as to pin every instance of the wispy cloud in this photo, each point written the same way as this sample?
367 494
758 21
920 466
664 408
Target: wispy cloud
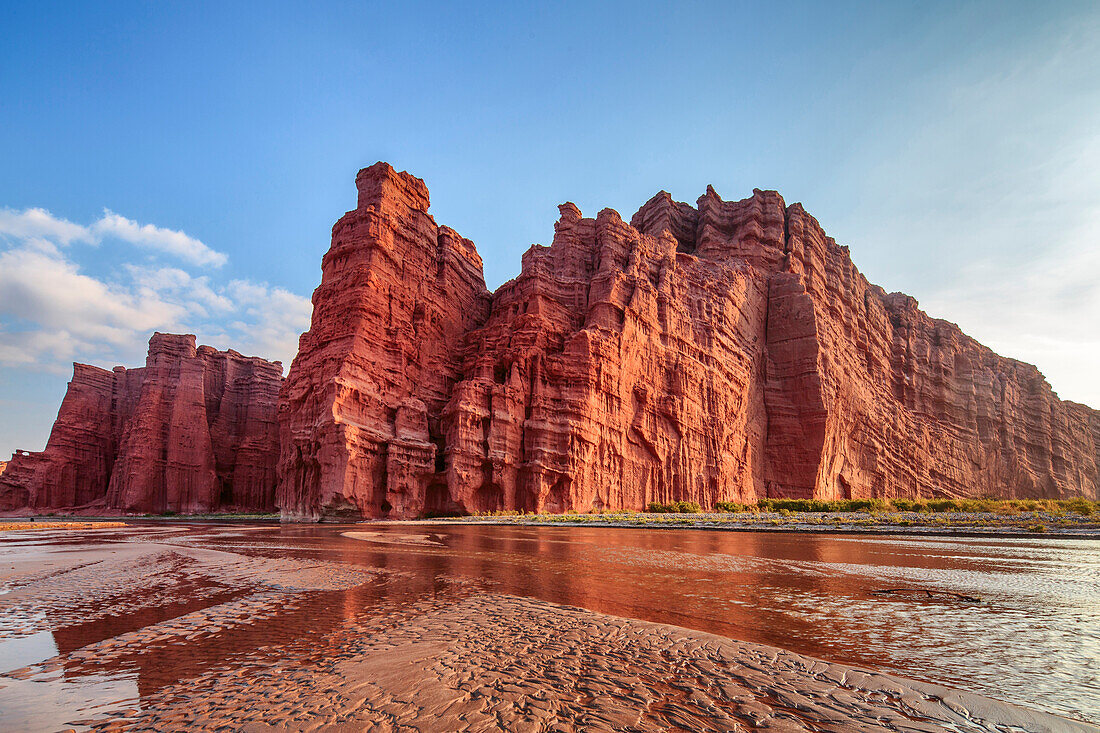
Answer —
271 320
39 224
49 291
1044 310
168 241
40 228
52 311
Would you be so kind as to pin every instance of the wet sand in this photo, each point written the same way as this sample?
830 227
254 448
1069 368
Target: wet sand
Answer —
490 663
155 630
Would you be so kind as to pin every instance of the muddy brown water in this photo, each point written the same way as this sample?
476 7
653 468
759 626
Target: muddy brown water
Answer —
1032 639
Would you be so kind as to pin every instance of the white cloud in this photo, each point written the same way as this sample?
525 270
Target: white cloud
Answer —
42 230
52 312
273 319
50 291
50 351
40 224
168 241
171 282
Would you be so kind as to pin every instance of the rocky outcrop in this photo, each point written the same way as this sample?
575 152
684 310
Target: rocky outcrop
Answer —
614 371
18 474
902 404
360 413
192 431
724 351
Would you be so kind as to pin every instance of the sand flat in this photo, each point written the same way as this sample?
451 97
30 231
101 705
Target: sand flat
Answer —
153 631
502 663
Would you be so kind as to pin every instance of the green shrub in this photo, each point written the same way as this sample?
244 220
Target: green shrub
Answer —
794 505
1084 507
676 507
864 505
1080 506
821 505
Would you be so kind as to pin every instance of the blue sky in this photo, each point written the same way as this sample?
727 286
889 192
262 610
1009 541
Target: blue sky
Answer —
179 166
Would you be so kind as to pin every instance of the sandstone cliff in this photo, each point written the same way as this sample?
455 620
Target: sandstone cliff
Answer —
724 351
192 431
360 412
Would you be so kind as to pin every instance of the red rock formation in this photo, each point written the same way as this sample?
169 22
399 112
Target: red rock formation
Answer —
18 474
614 371
194 430
902 404
360 410
726 351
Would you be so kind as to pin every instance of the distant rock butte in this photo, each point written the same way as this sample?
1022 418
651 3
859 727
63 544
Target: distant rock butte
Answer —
193 431
726 351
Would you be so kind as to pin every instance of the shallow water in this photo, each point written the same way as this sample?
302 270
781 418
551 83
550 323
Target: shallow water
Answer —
1033 639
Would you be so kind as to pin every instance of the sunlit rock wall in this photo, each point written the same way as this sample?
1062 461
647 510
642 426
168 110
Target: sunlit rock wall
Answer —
193 431
724 351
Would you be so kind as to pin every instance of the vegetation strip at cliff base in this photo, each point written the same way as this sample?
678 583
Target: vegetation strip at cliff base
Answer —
13 526
1021 517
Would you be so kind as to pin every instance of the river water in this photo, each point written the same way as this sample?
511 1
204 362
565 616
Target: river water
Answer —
1033 638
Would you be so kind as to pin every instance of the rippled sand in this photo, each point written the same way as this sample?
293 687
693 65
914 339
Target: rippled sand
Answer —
166 634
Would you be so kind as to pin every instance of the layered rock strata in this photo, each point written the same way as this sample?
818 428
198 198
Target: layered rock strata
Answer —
725 351
360 413
193 431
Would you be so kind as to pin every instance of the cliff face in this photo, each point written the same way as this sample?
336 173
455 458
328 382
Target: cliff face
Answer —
911 405
359 414
194 430
615 370
724 351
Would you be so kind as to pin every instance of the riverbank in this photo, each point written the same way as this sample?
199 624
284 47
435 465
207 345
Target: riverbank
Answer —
163 632
11 526
949 524
98 514
959 524
1077 517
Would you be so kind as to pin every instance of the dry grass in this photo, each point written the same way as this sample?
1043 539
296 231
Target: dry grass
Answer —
13 526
